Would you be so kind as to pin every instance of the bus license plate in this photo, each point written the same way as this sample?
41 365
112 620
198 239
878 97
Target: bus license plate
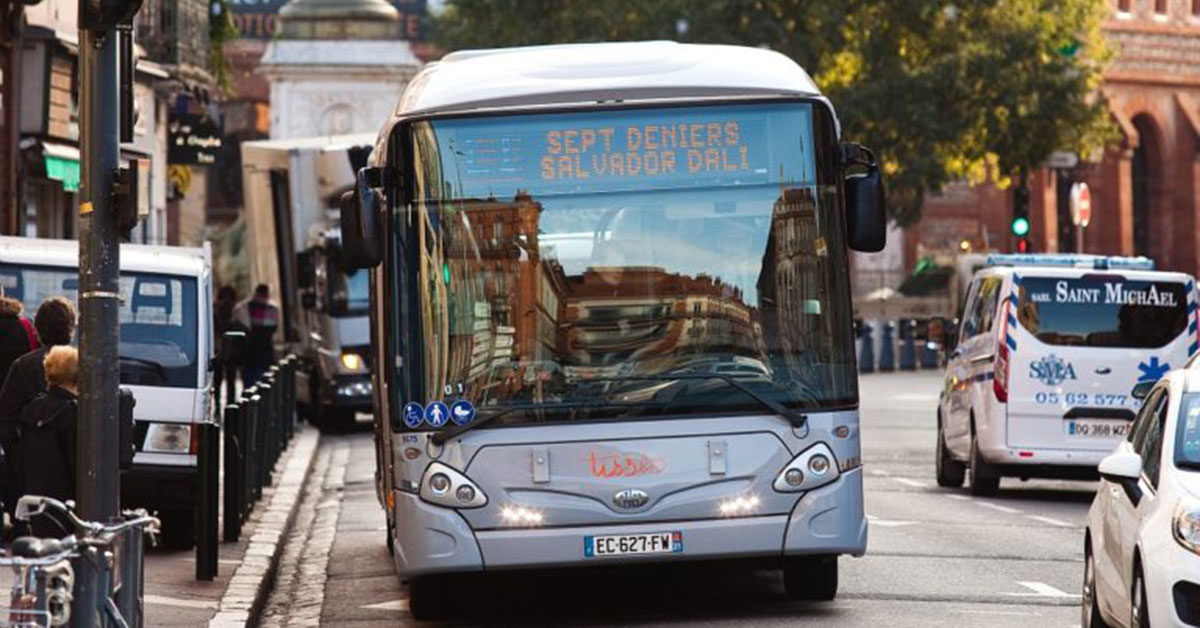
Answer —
627 544
1097 428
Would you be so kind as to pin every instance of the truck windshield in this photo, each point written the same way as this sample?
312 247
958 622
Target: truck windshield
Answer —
1102 310
158 318
555 257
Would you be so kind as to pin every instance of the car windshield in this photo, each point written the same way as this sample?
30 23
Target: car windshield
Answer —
1102 310
158 319
557 257
1187 437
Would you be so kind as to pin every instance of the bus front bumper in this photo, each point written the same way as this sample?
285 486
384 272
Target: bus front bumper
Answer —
432 539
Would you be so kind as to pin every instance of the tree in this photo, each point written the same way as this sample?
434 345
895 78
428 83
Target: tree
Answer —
943 91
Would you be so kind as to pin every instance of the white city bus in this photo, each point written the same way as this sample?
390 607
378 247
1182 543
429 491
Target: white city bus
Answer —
611 312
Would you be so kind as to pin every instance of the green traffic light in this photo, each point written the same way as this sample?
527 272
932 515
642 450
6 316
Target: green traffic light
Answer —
1020 226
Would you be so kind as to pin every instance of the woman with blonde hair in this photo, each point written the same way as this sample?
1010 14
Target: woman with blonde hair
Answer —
46 453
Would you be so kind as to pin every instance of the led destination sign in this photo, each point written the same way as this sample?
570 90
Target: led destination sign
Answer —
630 150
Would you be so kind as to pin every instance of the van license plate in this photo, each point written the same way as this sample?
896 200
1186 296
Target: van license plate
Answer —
627 544
1097 428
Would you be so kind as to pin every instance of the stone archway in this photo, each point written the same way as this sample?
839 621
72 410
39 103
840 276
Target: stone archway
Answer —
1146 169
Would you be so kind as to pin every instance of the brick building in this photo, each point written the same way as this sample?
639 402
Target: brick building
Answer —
1145 189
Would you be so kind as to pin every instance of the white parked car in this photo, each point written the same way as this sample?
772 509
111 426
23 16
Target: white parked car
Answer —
1142 546
1049 349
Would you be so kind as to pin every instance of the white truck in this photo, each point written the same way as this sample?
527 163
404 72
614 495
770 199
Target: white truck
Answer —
292 189
165 352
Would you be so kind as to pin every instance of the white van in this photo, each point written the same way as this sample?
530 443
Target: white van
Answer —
166 346
1049 350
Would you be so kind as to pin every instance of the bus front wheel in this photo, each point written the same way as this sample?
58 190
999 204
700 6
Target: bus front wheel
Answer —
810 578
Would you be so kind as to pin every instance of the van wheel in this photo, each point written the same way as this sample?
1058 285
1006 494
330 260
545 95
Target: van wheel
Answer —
984 481
178 529
950 472
427 598
810 578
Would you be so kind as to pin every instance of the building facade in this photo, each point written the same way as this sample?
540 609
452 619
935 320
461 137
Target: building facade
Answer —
1145 189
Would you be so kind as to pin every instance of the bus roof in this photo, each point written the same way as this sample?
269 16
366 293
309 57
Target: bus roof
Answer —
572 74
169 260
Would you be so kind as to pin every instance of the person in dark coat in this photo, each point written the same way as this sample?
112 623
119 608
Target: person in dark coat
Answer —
46 452
55 325
260 317
17 336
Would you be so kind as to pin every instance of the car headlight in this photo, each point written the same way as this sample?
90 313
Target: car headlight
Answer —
168 438
814 467
355 389
353 362
1185 527
445 486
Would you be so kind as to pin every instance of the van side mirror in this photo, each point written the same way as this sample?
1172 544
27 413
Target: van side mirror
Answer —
362 235
1141 390
866 214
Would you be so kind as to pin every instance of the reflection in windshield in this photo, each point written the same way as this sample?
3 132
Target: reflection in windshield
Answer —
349 292
157 316
1187 440
548 296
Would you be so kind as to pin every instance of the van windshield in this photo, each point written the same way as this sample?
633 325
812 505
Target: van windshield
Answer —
1102 310
158 319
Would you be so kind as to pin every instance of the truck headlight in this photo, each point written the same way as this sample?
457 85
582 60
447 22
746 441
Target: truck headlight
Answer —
353 362
1185 527
815 466
168 438
447 487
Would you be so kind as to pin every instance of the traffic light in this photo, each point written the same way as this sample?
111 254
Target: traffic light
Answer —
1020 220
102 15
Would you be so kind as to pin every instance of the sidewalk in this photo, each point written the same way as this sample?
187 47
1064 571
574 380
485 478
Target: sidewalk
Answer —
244 569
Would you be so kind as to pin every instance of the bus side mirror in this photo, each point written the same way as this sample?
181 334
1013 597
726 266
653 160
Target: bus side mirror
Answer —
866 215
362 236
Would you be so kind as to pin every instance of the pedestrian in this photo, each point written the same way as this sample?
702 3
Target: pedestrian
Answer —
260 317
46 452
54 324
17 336
222 322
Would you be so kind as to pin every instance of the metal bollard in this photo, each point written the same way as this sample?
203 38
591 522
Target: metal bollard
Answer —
887 348
133 573
908 347
254 454
206 507
293 364
935 337
233 509
262 411
866 352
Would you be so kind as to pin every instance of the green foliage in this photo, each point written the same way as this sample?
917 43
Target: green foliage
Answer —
979 90
221 30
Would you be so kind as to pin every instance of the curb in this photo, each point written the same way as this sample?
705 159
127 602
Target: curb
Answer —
247 592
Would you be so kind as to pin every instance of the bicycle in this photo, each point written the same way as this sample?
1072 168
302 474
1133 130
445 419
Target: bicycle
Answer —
45 591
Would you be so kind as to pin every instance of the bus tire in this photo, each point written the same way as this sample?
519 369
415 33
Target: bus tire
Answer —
984 481
426 598
950 472
810 578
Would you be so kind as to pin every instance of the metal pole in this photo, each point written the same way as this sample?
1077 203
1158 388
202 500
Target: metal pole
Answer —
129 597
233 466
206 533
97 482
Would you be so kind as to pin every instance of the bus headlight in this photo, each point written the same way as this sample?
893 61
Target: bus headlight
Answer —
168 438
815 466
444 486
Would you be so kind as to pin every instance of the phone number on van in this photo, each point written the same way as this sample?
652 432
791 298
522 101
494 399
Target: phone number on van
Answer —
1082 399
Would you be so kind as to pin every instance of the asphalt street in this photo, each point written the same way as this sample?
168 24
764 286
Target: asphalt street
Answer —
936 557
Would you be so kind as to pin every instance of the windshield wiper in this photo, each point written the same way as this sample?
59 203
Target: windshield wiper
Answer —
797 419
458 430
157 366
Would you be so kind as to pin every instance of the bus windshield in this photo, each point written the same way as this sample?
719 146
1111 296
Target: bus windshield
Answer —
588 257
158 319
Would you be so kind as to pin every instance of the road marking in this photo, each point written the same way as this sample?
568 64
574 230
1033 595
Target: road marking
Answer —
162 600
915 397
881 472
910 482
957 496
1051 521
999 508
1041 589
972 611
888 523
394 605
